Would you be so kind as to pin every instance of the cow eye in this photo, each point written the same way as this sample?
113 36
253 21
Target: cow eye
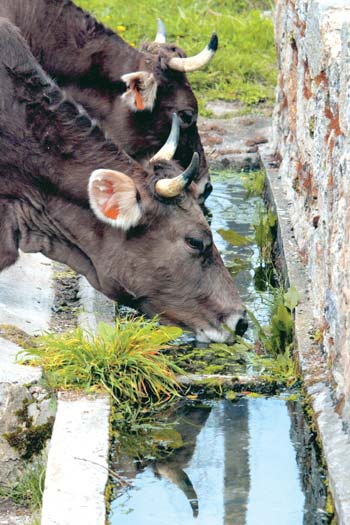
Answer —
195 244
186 116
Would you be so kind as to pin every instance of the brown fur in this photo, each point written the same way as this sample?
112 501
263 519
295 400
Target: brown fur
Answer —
88 60
48 149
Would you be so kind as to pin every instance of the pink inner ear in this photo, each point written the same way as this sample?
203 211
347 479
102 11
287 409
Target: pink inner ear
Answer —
111 212
111 207
138 99
109 187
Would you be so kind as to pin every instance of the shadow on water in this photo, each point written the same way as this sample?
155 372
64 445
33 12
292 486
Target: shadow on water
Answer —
242 462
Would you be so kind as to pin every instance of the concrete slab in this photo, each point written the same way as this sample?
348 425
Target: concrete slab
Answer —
26 293
333 433
10 372
77 468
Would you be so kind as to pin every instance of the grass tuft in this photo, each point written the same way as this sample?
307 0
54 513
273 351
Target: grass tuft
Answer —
29 488
126 360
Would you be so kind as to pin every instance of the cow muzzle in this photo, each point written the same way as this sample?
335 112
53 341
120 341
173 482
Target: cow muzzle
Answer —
235 324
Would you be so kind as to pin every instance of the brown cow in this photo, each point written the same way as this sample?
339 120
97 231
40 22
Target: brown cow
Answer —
133 94
66 191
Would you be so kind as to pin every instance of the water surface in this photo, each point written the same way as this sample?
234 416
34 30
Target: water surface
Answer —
242 462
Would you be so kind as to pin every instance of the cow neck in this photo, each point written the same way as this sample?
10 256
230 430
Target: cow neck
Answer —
69 233
74 143
55 30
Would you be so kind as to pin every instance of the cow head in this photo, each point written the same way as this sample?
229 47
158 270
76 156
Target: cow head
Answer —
158 252
158 89
137 234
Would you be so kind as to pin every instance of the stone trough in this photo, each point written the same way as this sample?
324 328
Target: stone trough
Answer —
77 468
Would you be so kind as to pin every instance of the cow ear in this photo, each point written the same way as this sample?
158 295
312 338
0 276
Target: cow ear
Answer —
141 90
114 198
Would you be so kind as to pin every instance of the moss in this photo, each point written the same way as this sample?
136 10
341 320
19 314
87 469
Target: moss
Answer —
30 440
22 413
16 335
27 438
217 387
67 274
312 120
329 503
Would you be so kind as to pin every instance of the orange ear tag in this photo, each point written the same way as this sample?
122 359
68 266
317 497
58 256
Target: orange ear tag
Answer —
138 100
111 212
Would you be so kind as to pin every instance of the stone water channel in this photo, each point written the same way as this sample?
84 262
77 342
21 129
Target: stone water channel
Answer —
235 460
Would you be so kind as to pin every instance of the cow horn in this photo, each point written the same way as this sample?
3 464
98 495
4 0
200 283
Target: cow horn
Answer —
172 187
196 62
161 32
168 150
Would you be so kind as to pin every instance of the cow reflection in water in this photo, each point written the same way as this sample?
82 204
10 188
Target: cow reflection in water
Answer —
189 423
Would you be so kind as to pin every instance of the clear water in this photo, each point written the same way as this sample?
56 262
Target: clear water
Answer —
241 464
246 462
230 209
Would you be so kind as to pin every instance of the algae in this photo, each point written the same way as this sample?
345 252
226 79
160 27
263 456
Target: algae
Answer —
17 336
29 439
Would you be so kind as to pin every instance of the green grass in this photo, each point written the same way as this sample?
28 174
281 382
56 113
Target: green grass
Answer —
29 488
244 67
126 360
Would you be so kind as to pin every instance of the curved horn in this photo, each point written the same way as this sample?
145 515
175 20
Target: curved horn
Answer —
196 62
172 187
168 150
161 32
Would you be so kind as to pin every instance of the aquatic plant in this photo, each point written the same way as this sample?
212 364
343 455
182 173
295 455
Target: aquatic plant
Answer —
233 237
278 336
126 360
265 230
254 183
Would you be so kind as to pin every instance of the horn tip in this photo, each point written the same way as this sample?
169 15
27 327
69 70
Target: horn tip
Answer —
214 43
161 27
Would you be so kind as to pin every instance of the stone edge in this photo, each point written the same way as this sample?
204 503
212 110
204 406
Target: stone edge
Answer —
332 431
62 507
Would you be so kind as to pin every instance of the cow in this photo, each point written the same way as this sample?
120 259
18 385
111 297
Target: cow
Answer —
132 93
136 233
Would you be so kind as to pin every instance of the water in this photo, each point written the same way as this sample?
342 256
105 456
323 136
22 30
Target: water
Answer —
230 209
243 462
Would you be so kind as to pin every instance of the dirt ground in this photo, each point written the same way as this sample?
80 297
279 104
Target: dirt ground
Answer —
11 514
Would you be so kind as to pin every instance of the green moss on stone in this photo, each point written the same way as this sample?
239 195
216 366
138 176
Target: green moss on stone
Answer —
16 336
30 440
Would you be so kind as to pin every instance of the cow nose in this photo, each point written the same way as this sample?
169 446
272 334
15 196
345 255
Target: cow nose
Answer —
208 188
241 326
